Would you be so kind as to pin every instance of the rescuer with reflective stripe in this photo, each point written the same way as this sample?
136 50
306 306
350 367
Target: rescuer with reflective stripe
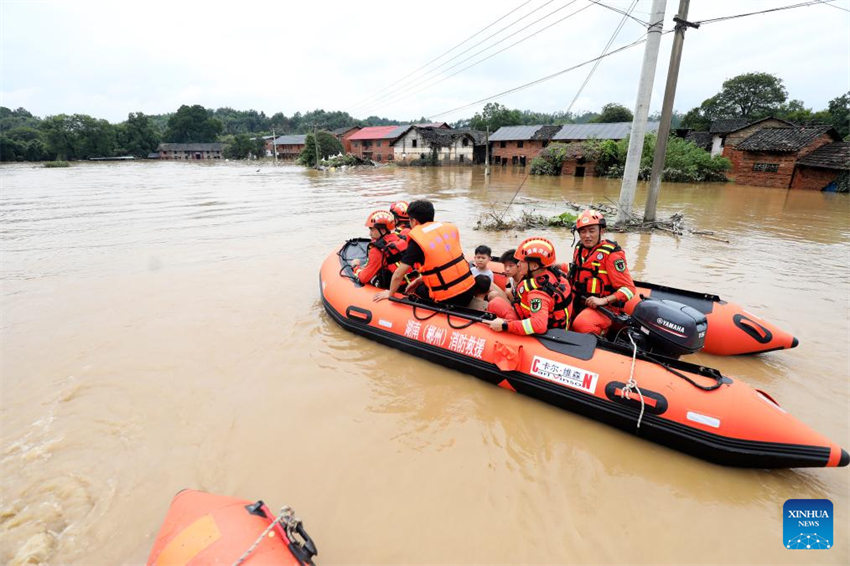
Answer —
599 275
402 220
434 249
542 300
385 250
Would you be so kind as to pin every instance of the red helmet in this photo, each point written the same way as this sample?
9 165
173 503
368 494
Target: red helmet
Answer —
399 210
381 217
536 248
590 217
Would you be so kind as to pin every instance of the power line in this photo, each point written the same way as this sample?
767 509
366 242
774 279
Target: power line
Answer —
627 14
800 5
827 3
488 26
546 78
604 51
385 94
435 83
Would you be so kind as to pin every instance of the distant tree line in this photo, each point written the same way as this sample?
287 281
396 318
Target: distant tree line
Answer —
24 137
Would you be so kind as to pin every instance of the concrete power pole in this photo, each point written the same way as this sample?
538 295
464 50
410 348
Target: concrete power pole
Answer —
316 142
667 110
647 77
487 152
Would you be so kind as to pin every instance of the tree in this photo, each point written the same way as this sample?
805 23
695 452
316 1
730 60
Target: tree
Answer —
137 136
613 112
242 146
839 110
192 124
751 96
495 116
78 136
328 145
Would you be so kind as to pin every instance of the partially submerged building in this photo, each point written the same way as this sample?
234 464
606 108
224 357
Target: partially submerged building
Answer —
185 151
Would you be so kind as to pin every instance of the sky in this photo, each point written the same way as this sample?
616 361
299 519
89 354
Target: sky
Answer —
401 60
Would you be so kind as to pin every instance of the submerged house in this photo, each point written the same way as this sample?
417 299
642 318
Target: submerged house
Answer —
447 145
376 142
727 134
771 157
344 136
825 169
518 145
287 147
579 161
190 150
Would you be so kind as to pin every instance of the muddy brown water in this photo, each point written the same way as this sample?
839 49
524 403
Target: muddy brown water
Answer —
162 328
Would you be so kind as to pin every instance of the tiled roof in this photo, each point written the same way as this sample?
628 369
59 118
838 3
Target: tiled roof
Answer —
830 156
545 133
515 133
700 139
441 125
342 130
785 139
190 147
730 125
609 131
442 137
290 140
380 133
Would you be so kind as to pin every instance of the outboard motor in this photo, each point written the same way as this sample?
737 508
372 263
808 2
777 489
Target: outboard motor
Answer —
667 327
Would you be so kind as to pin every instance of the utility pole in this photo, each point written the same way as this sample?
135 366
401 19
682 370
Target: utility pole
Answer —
316 143
667 110
274 146
647 77
487 152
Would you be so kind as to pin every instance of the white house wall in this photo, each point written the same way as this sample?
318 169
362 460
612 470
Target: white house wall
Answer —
403 149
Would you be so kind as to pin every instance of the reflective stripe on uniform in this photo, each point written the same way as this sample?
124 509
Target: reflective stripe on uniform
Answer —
526 325
627 292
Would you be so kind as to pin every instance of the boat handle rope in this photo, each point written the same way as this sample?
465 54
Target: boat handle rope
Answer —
303 549
718 380
626 392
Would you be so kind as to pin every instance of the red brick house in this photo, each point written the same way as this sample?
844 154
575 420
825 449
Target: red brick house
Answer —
287 147
768 158
344 136
376 142
825 169
518 145
730 132
579 162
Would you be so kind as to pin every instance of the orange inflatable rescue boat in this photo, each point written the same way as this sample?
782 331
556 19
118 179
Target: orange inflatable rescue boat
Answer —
645 390
205 529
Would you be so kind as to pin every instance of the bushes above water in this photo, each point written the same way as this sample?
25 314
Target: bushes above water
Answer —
684 163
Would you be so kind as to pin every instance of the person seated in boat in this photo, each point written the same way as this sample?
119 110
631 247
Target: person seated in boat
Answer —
483 255
434 249
482 293
599 275
514 272
543 298
402 220
384 251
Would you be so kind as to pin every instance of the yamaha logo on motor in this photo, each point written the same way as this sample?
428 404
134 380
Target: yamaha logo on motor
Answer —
670 325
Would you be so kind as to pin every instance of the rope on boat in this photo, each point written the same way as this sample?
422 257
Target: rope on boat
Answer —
626 392
285 518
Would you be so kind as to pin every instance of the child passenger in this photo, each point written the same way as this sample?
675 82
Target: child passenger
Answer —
483 255
482 293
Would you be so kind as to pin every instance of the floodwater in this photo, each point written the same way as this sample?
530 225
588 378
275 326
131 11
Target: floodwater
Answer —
162 328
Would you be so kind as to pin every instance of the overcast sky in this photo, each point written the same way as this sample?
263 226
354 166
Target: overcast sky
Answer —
107 59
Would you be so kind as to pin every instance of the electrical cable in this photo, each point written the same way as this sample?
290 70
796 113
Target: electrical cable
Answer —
432 84
384 94
488 26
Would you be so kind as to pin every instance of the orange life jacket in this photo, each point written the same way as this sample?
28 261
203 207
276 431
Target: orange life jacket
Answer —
391 247
587 277
554 283
445 271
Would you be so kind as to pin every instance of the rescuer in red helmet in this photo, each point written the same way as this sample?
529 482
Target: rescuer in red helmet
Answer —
598 274
542 299
385 250
402 220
